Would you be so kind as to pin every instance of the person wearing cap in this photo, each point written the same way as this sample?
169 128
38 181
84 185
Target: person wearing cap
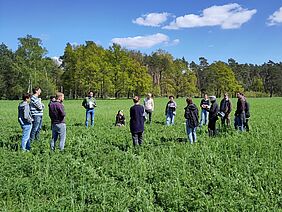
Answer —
225 109
137 119
213 111
149 106
170 111
120 119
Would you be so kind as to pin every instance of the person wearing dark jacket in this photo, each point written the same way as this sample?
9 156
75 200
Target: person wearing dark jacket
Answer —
225 109
25 120
137 119
120 119
170 111
240 115
204 113
57 115
192 120
213 111
89 103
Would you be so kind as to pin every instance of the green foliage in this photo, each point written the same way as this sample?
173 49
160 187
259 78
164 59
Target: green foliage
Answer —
101 171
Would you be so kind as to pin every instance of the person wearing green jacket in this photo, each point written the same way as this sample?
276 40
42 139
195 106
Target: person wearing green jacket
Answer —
89 103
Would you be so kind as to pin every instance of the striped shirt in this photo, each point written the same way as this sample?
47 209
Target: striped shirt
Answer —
36 107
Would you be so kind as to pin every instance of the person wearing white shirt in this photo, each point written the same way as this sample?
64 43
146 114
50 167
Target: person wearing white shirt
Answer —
149 107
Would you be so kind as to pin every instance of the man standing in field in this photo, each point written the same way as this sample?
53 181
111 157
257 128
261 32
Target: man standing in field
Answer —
225 109
57 115
240 115
137 119
170 111
149 106
36 109
89 103
25 120
204 113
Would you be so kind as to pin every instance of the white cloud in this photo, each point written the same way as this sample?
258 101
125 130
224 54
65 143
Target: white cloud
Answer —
275 18
152 19
229 16
141 41
57 60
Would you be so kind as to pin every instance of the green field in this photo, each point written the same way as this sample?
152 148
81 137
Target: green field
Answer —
101 171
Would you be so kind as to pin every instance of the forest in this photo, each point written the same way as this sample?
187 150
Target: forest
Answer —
117 72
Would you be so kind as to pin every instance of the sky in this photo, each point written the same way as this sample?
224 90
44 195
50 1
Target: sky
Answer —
247 31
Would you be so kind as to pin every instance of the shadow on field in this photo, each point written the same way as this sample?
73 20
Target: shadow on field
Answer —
180 140
12 143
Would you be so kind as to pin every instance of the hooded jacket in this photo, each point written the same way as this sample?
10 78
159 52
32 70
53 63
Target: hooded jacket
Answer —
191 115
24 115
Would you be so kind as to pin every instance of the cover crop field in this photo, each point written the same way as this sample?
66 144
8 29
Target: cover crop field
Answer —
101 171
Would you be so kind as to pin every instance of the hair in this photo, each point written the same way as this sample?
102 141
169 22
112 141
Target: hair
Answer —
25 96
189 100
35 89
136 99
171 96
90 92
52 97
59 94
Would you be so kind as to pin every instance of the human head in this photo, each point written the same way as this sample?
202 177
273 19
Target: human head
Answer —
206 96
26 97
60 97
212 98
36 91
90 94
136 99
149 95
226 95
189 101
171 98
52 98
120 112
239 95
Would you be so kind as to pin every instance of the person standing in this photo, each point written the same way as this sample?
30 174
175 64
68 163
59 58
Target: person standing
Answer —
57 115
89 103
170 111
25 120
213 111
240 115
225 109
205 103
36 109
137 119
149 106
192 120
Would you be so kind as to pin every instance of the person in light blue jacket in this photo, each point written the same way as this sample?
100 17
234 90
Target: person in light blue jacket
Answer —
25 120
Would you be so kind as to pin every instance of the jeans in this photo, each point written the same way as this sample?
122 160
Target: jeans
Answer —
149 112
58 130
191 133
170 118
26 136
137 138
36 127
89 114
240 121
204 117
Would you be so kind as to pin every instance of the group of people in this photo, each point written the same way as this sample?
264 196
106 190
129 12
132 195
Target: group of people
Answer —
30 113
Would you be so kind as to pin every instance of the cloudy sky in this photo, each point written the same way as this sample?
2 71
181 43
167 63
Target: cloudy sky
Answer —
248 31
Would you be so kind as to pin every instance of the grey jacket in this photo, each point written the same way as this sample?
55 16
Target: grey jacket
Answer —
24 116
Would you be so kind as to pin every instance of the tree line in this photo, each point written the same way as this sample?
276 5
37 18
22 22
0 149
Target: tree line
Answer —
119 72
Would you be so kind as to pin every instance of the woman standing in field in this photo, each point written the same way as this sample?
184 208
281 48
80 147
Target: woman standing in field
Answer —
149 106
213 111
192 120
137 119
170 111
25 120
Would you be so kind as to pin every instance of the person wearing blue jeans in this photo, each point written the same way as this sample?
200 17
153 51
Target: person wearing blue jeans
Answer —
89 103
204 113
25 120
240 115
192 120
170 111
36 109
57 115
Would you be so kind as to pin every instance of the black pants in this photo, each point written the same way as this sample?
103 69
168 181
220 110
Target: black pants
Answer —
149 112
137 138
212 127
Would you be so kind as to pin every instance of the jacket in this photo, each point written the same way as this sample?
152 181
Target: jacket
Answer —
191 115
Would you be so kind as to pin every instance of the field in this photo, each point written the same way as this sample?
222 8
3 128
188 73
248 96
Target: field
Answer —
101 171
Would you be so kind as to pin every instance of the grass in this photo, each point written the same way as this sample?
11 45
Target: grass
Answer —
101 171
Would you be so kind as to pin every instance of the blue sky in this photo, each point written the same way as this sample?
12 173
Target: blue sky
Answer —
248 31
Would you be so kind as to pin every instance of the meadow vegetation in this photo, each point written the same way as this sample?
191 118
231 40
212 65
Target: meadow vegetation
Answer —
100 170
